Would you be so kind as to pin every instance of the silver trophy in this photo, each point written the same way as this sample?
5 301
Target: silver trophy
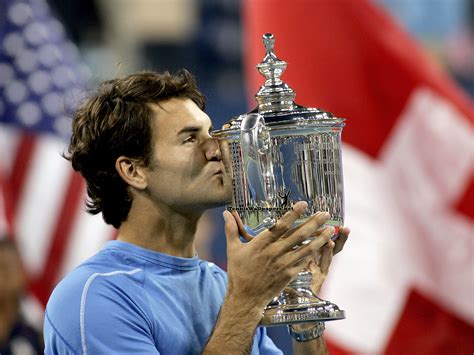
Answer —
281 153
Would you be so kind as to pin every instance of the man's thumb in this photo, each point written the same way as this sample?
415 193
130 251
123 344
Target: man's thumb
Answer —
231 228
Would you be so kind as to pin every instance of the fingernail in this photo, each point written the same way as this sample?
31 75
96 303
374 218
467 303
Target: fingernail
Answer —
226 214
303 205
330 230
323 215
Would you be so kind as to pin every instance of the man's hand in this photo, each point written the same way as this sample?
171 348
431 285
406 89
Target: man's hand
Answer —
319 266
259 269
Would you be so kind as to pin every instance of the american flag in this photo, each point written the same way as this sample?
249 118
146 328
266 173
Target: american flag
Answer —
41 197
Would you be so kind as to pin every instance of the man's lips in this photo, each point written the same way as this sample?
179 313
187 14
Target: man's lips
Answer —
218 170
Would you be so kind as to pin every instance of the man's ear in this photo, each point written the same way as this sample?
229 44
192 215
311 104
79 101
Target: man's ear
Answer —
131 172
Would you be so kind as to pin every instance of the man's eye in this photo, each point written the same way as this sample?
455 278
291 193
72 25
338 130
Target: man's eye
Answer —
190 139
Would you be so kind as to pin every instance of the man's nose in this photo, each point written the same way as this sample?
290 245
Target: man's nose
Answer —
212 150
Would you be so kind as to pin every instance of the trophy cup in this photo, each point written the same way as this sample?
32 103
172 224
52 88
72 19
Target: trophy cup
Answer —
281 153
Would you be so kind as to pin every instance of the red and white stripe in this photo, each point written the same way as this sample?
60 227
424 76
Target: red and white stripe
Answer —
43 201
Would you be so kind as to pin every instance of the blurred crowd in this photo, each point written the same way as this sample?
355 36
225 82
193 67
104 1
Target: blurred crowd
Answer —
17 336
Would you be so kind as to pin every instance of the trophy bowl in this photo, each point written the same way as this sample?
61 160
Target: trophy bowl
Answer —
278 154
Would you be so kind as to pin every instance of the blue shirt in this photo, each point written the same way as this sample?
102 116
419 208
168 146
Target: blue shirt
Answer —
130 300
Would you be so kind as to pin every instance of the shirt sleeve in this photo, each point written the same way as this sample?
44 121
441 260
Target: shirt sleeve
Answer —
266 346
113 319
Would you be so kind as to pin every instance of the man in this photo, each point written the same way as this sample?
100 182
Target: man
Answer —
142 143
16 335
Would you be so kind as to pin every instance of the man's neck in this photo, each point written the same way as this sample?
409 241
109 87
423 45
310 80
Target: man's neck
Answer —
160 229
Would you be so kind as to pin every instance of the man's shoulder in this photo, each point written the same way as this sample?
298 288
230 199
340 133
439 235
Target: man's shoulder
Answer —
86 292
98 271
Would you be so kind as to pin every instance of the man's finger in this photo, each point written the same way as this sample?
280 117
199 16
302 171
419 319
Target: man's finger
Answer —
326 257
312 247
285 223
231 229
310 228
314 223
341 239
243 232
300 265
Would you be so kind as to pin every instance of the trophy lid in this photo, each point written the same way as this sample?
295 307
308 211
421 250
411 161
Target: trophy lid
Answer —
274 95
275 98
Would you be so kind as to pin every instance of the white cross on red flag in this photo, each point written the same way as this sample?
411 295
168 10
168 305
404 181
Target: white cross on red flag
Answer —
406 276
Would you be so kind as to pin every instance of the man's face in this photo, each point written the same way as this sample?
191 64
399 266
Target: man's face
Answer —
186 173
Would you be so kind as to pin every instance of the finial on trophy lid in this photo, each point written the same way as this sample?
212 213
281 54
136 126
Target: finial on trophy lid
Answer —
274 95
269 43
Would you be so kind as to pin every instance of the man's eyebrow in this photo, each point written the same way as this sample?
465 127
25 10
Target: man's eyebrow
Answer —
192 129
189 129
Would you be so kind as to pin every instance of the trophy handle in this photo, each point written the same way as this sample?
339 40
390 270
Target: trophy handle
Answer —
255 145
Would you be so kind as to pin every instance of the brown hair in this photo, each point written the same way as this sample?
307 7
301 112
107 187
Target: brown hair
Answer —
117 121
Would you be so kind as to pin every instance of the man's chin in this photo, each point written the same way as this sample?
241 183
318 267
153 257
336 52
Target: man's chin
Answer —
217 197
218 203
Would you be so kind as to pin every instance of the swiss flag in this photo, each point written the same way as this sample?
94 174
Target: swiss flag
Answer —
406 275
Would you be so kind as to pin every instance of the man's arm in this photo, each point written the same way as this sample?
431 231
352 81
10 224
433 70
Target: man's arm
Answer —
234 329
259 270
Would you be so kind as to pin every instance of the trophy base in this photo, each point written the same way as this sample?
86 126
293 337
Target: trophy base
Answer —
298 304
322 311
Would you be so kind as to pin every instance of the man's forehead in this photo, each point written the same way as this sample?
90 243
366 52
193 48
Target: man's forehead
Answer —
177 113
